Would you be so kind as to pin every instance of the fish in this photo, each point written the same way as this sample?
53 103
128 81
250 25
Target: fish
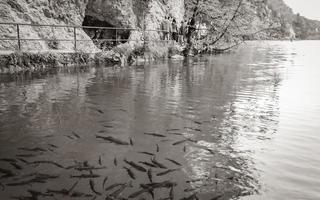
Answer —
8 160
8 173
150 175
85 176
154 161
184 149
210 150
97 110
3 187
92 185
112 140
157 148
115 161
26 155
130 173
89 168
180 142
171 194
47 162
104 181
63 191
166 172
100 160
190 189
131 142
148 164
155 135
147 153
76 135
114 186
52 145
173 129
108 126
173 161
15 165
116 193
197 122
183 141
23 160
138 193
36 149
136 166
164 184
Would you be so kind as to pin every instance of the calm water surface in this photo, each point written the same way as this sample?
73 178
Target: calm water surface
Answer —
243 125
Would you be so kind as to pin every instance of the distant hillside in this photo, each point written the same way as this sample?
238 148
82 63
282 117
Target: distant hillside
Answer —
303 27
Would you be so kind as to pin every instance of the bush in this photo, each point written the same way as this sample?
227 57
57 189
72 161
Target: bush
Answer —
53 43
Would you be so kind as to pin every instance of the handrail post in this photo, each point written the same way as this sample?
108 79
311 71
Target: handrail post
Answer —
75 38
116 36
18 34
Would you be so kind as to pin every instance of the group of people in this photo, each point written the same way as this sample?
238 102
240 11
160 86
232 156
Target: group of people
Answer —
172 31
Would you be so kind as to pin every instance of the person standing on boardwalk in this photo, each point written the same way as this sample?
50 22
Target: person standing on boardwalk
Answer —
182 32
166 28
174 30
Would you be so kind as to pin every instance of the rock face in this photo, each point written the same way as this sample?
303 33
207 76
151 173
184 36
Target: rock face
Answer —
57 12
134 14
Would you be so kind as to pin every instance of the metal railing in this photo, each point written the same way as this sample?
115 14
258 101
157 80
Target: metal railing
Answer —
75 39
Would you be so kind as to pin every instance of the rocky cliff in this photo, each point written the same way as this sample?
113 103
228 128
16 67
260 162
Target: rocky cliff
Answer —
134 14
131 14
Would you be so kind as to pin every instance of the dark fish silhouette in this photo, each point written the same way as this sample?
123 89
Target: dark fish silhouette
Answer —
47 162
117 193
112 140
115 161
150 175
131 142
114 186
184 149
89 168
197 122
164 184
36 149
15 165
136 166
26 155
171 194
76 135
130 173
147 153
155 134
64 192
180 142
8 160
7 173
52 145
173 161
157 163
100 161
104 181
157 148
97 110
92 187
85 176
167 172
148 164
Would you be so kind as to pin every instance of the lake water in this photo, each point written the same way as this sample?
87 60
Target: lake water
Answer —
242 125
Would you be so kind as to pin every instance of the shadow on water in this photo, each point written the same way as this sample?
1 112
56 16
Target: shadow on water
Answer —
171 130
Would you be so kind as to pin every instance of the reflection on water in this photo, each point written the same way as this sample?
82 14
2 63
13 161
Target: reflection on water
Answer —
240 124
